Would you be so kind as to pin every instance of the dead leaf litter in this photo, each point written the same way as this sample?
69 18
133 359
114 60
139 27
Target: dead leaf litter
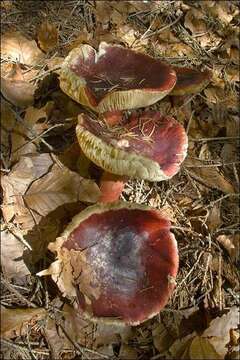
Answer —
42 189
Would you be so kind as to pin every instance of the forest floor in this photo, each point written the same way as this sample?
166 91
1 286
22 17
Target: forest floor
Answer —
38 168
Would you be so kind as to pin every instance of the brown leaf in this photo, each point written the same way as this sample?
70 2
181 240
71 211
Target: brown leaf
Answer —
18 92
218 332
79 330
47 36
14 322
162 338
231 243
15 46
227 270
18 180
7 124
180 348
209 176
60 186
214 218
28 129
226 97
194 21
127 352
201 348
38 185
11 256
221 10
54 62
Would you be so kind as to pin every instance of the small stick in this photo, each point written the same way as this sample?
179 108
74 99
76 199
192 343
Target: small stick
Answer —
14 291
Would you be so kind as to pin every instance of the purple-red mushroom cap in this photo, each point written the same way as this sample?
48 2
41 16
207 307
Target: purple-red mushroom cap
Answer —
149 147
118 261
114 78
190 81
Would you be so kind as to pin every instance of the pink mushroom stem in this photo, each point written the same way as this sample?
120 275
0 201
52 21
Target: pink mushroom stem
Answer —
113 118
111 187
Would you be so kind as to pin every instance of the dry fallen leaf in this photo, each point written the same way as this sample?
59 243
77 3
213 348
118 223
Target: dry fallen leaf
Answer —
38 185
78 330
162 338
7 124
224 97
209 176
223 11
194 21
18 92
18 48
127 352
180 348
28 129
47 36
14 322
227 270
218 332
231 243
54 62
214 217
12 249
201 348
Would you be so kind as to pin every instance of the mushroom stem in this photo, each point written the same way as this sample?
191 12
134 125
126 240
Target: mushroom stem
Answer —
111 187
113 118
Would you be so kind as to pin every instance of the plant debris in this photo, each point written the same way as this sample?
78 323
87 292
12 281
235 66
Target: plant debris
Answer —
46 180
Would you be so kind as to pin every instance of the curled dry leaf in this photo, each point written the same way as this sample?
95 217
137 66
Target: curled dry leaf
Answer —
37 185
47 36
18 48
12 249
231 243
18 92
14 322
209 176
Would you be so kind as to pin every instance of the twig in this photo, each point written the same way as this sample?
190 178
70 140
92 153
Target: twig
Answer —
220 138
14 291
39 136
31 131
164 27
222 198
212 165
82 348
21 348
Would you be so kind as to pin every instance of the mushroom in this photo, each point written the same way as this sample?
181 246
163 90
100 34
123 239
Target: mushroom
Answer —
190 81
114 78
118 261
149 147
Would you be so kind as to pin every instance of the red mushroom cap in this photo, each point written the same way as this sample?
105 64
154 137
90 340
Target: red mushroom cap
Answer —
150 146
190 81
121 259
115 78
